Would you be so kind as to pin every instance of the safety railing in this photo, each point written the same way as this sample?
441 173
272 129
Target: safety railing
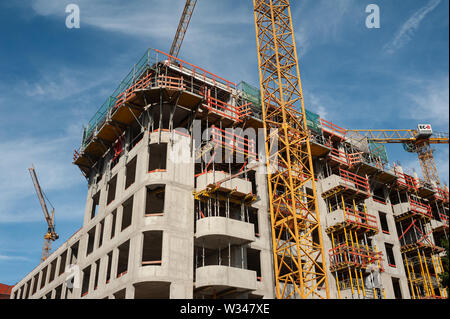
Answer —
361 219
227 110
405 180
442 195
420 208
233 142
339 156
444 219
345 255
333 128
360 183
194 70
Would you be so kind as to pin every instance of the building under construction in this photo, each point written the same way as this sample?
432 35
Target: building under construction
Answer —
178 204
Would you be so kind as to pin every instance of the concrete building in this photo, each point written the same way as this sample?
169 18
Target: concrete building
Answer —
174 212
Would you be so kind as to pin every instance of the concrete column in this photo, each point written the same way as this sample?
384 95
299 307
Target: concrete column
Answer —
102 272
57 267
97 236
129 292
31 287
63 290
107 230
181 290
115 261
133 261
38 287
82 247
47 277
119 216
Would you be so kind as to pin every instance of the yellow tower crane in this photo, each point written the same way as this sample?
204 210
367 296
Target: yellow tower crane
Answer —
414 141
300 269
51 235
182 27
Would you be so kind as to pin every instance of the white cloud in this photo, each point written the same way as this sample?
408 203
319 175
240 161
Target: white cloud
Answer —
52 160
322 21
13 258
156 19
408 29
429 101
316 104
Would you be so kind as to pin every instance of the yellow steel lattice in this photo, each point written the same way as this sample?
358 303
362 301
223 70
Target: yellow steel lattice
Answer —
297 238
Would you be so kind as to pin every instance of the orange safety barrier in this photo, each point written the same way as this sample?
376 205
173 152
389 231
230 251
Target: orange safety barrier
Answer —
225 109
420 208
339 156
444 219
142 83
222 108
171 82
344 255
233 141
332 128
195 69
406 180
442 195
361 183
362 219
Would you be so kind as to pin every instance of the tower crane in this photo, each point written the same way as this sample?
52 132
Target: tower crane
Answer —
414 141
182 27
51 234
297 242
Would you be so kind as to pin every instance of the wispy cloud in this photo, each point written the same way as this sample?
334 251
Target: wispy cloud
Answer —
13 258
51 157
429 100
321 21
409 28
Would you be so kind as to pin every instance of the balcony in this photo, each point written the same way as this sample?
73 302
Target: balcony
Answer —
441 224
223 278
425 190
440 195
405 181
347 184
412 208
219 232
223 182
344 256
351 219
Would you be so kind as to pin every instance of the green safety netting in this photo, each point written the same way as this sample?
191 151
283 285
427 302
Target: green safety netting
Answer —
139 68
251 93
313 121
378 150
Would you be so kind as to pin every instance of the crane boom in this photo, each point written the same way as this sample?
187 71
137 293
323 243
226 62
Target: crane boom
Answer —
38 189
51 234
400 136
182 27
414 142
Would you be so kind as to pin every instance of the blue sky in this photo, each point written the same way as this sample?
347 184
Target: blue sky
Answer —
53 79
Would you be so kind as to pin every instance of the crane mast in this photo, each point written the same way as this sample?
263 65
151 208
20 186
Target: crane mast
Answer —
51 235
182 27
299 261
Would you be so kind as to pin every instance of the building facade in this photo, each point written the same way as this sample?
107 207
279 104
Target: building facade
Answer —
178 207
